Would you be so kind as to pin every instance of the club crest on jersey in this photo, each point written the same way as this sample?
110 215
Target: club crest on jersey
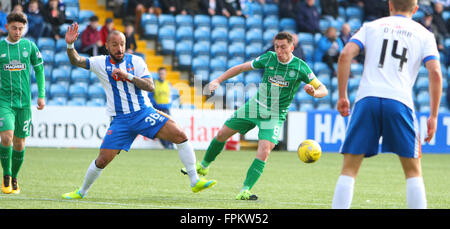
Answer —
14 66
278 81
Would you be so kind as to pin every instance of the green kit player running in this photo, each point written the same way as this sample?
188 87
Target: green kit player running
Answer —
17 57
283 74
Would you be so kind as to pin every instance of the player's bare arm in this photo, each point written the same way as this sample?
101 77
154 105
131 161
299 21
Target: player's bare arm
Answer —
145 84
316 89
232 72
435 90
343 72
71 36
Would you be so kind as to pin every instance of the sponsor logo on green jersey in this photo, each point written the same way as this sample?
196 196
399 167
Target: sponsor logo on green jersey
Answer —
278 81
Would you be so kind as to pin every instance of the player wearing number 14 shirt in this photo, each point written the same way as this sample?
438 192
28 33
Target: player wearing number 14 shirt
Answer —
395 47
124 78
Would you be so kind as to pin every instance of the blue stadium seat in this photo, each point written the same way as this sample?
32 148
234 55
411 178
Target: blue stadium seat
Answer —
217 64
77 91
183 52
166 19
219 49
202 34
271 22
353 83
95 102
73 3
166 37
219 21
76 102
254 36
305 106
270 9
201 48
150 30
423 98
356 69
236 49
219 34
235 22
57 90
200 68
324 24
184 20
233 62
252 78
337 23
84 15
305 39
308 51
321 67
60 75
254 23
57 101
288 24
252 51
61 46
202 21
71 13
418 15
352 12
324 106
184 33
147 18
250 91
268 36
236 35
61 58
422 83
292 107
47 71
256 9
80 75
48 56
96 91
446 15
236 79
354 24
34 90
44 43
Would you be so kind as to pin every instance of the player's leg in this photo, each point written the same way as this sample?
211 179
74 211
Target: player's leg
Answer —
21 132
362 138
163 127
7 120
401 137
216 146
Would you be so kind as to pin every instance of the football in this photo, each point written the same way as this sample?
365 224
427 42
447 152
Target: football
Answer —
309 151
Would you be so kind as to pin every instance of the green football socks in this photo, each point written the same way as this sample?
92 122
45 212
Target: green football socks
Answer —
253 173
5 158
214 148
17 160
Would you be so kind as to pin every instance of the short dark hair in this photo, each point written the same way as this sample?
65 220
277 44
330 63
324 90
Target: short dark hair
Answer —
284 35
93 18
16 17
162 68
404 5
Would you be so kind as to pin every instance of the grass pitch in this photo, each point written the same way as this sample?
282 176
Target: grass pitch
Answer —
150 179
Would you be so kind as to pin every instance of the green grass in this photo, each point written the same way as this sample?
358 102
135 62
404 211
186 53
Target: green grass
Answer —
150 179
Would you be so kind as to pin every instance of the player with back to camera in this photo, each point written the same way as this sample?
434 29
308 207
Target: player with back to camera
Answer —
126 81
17 57
283 75
395 47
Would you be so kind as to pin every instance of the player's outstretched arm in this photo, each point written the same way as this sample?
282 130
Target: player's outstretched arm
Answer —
435 90
232 72
343 72
316 88
71 36
145 84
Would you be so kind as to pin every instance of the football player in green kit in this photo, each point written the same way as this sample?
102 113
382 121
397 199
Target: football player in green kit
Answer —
283 75
17 57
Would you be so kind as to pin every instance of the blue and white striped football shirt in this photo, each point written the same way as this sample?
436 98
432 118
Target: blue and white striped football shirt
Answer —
122 97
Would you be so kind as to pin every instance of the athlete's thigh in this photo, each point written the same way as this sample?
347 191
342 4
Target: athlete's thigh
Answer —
170 131
400 130
119 136
22 123
7 119
270 130
364 128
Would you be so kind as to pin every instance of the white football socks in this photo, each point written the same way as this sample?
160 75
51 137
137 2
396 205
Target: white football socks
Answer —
187 156
343 193
91 175
415 193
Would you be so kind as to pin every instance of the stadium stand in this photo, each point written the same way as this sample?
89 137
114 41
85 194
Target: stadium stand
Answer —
206 46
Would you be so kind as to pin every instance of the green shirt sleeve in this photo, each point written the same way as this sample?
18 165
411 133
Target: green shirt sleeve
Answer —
38 65
263 60
307 74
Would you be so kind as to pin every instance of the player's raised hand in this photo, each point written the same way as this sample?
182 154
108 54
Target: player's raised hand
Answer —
310 90
343 106
72 33
431 128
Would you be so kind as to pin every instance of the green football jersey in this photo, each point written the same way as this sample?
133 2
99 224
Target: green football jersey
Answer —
16 60
280 82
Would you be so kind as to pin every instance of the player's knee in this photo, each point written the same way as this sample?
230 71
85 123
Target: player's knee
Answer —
19 144
180 137
7 139
221 136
